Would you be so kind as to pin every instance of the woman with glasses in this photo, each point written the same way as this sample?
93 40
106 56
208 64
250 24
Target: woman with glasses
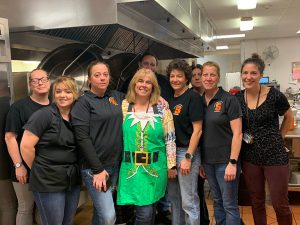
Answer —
17 117
264 157
48 147
221 141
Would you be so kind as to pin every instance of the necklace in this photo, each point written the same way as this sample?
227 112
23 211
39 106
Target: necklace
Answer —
181 92
207 100
146 109
247 108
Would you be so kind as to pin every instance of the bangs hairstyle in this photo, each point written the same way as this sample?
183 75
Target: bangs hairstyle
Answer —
197 66
90 67
211 64
69 83
181 65
141 73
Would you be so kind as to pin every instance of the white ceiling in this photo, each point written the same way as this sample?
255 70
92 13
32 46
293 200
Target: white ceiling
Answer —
272 19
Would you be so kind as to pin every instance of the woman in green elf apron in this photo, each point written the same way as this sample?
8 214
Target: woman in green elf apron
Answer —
149 155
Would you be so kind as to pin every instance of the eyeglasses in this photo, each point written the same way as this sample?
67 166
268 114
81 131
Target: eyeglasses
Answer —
35 81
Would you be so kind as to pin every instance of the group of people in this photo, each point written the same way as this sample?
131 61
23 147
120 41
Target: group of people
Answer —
157 138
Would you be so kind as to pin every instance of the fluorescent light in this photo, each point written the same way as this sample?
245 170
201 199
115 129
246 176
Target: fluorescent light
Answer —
221 47
246 4
246 23
229 36
298 32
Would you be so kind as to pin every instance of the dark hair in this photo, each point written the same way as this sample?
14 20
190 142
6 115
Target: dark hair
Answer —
90 67
198 66
256 60
147 54
182 65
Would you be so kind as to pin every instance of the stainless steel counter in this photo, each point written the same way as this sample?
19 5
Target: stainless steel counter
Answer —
294 138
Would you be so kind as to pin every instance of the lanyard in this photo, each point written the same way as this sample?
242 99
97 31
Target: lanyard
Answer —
246 101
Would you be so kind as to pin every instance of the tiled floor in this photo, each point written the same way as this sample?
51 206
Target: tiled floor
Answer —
246 213
83 216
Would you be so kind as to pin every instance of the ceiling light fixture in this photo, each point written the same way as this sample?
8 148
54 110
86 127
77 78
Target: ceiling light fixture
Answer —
229 36
246 4
298 32
222 47
246 23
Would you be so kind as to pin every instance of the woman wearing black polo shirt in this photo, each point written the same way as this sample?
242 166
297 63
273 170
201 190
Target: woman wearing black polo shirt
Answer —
187 110
221 141
48 147
97 119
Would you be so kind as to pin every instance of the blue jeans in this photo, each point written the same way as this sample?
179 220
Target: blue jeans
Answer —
225 194
183 192
57 208
163 205
145 215
104 207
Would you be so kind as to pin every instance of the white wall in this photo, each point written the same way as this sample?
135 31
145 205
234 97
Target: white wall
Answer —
280 68
228 64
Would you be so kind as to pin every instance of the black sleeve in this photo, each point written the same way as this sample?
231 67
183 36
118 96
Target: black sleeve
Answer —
281 104
39 121
80 119
233 108
122 96
87 148
195 107
13 120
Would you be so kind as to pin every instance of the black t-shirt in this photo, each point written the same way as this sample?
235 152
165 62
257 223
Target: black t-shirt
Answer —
186 108
267 148
17 117
166 90
55 166
217 133
98 128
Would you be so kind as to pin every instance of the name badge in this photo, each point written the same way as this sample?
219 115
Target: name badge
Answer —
248 138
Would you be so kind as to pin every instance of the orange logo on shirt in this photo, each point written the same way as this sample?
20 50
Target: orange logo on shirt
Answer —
218 106
177 109
112 100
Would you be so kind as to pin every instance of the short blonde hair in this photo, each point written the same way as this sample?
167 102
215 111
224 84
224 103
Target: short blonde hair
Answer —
141 73
68 82
211 64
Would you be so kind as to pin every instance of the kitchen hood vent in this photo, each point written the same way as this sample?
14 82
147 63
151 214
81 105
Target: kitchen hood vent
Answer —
131 26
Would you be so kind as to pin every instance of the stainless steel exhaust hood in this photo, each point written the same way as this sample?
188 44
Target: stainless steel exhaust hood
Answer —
170 28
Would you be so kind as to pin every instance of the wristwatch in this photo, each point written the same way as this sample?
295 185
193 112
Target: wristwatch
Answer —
18 164
188 155
233 161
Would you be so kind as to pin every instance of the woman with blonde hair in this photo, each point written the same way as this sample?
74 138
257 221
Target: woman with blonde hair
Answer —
221 141
149 147
49 149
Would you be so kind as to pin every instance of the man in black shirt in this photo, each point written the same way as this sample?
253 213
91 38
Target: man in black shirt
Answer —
149 61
